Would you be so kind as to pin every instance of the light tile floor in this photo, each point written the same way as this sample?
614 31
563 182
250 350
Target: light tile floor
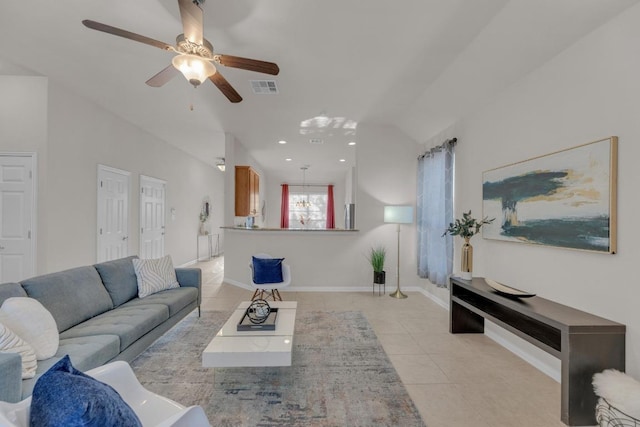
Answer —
454 380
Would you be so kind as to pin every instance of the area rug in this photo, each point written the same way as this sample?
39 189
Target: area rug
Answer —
340 376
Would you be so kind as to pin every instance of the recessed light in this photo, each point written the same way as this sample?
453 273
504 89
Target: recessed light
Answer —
288 159
282 141
342 160
352 143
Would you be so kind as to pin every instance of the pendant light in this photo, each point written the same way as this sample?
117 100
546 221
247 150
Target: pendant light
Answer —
304 203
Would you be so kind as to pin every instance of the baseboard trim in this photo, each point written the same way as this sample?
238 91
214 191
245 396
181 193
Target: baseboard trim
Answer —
238 284
512 343
195 261
433 297
508 343
320 288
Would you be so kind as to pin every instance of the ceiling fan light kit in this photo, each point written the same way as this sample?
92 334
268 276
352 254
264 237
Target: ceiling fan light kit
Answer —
195 55
195 69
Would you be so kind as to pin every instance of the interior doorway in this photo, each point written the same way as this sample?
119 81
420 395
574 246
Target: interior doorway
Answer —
113 213
17 216
152 217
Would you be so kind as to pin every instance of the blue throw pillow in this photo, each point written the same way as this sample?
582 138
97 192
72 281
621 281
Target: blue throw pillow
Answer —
267 270
65 397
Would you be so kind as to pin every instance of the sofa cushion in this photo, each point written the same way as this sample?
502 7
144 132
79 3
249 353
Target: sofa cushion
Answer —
64 396
9 290
11 343
119 278
81 285
174 299
10 377
128 323
155 275
85 353
90 352
33 323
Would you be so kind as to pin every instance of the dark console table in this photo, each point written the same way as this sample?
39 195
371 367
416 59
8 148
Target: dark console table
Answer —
585 344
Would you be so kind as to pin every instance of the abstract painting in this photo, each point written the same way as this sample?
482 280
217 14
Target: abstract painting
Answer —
565 199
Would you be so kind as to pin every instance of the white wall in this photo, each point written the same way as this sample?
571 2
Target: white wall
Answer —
588 92
386 175
23 128
72 136
387 163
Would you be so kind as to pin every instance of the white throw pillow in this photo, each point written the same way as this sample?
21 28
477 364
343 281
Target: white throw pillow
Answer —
11 343
33 323
154 275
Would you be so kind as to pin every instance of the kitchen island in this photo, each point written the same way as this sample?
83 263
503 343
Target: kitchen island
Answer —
320 260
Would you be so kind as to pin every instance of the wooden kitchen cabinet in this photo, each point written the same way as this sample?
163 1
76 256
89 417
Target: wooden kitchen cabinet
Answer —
247 191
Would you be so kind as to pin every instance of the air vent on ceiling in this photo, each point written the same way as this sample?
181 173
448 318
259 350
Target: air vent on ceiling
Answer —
316 141
264 87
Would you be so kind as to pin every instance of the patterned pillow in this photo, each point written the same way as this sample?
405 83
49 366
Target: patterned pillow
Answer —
32 322
11 343
154 275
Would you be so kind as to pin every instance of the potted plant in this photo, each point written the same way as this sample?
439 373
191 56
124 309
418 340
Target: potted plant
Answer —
376 258
466 227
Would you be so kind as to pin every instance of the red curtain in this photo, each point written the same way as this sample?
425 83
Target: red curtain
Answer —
331 216
284 207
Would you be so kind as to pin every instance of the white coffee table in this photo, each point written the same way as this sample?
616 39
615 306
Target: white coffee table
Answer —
233 348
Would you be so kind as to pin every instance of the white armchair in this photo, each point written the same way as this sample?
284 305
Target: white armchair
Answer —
151 408
270 289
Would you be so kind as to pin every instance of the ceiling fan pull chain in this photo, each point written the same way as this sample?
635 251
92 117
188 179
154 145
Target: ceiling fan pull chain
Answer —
191 103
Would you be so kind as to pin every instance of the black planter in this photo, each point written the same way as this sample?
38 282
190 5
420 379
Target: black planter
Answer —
379 277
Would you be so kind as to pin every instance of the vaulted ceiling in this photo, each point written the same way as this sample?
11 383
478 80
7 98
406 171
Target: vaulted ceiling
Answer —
419 65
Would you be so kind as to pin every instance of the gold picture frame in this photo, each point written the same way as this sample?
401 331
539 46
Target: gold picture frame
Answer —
565 199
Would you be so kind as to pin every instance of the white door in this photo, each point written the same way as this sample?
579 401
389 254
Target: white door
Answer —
152 195
17 217
113 213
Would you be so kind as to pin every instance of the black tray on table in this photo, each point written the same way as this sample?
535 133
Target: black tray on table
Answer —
246 324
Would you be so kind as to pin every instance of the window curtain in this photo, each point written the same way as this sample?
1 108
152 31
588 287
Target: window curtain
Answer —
434 213
331 215
284 207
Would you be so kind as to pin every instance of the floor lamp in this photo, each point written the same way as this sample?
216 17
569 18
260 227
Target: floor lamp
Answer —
398 215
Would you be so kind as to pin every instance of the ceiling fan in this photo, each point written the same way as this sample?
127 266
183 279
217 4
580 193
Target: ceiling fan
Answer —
195 55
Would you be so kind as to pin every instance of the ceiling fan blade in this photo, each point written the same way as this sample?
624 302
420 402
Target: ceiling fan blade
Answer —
191 16
247 64
224 86
163 76
126 34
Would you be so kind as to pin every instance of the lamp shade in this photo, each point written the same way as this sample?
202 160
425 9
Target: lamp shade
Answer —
195 69
398 214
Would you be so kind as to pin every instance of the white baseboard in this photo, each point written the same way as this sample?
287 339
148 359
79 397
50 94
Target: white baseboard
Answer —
504 338
238 284
318 288
539 359
433 297
195 261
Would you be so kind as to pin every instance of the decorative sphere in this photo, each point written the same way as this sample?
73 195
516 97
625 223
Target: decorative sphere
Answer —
258 311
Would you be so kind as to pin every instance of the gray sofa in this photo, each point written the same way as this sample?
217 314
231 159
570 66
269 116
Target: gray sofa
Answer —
99 316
